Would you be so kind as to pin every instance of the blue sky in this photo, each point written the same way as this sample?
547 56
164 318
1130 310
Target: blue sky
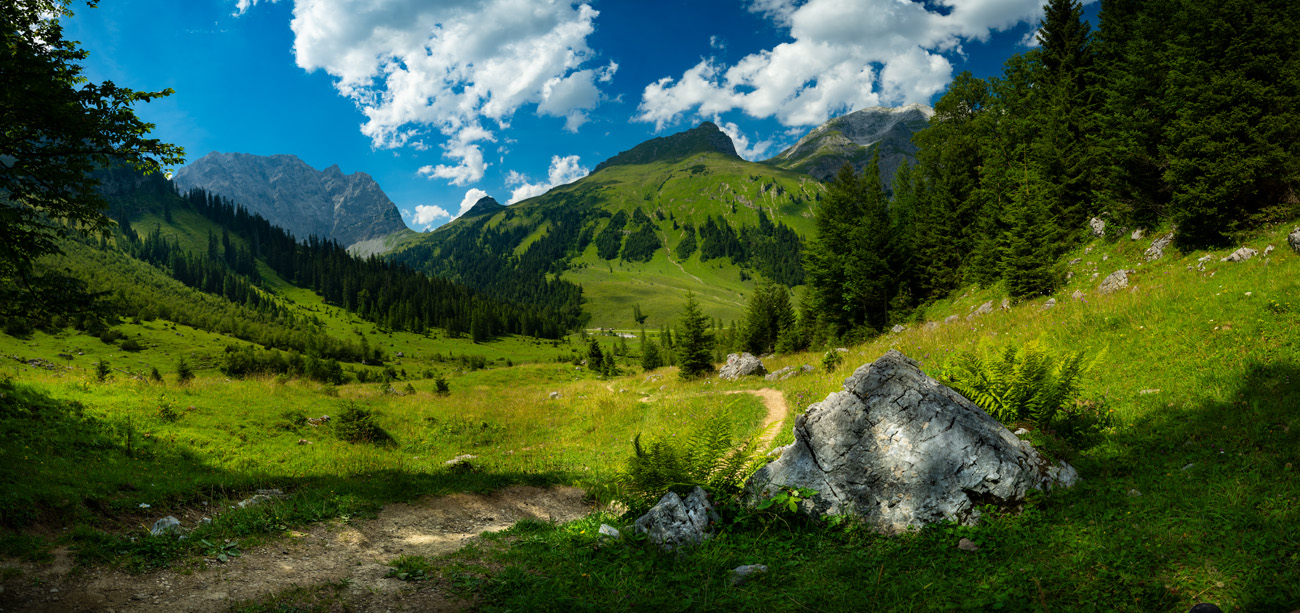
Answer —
442 101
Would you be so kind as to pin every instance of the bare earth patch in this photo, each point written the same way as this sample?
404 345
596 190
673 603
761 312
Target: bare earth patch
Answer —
357 552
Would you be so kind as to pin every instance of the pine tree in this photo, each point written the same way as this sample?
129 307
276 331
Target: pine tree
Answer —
694 343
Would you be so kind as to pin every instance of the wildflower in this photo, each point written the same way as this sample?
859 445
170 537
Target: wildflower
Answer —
144 505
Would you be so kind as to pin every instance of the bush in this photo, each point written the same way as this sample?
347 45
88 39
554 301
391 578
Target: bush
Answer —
707 457
831 360
183 371
357 424
102 371
441 387
110 336
131 344
1019 386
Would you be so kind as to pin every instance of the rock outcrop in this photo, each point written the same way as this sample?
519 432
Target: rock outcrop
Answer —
1114 282
1098 227
1240 255
304 201
741 365
1293 239
899 449
674 523
789 371
1157 248
854 138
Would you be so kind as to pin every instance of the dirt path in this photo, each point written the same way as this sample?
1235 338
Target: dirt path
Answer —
357 552
777 410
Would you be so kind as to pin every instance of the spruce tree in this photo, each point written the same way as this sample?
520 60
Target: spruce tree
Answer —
694 343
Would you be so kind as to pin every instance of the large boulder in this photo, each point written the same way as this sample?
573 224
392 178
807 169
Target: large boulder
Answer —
1293 239
899 449
674 522
1157 248
1114 282
1240 255
1097 226
740 365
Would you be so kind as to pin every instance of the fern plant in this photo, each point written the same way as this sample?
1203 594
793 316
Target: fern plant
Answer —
1017 386
707 457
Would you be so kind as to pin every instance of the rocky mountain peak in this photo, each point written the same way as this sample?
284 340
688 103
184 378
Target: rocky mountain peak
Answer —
291 194
486 205
854 137
704 138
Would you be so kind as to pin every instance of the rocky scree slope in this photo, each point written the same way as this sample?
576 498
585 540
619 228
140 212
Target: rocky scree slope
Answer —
854 138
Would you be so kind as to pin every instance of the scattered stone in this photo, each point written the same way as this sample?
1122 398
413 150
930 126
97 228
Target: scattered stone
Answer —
842 349
950 319
166 525
303 441
1240 255
741 365
674 523
984 309
1293 239
1098 227
788 371
1268 250
897 328
1114 282
1205 607
1134 493
556 395
966 544
1189 466
1051 302
1087 250
1157 248
900 449
400 354
1075 261
1150 391
1205 258
1006 304
1105 257
1077 295
1137 234
741 574
610 532
930 325
316 422
1020 431
460 459
260 497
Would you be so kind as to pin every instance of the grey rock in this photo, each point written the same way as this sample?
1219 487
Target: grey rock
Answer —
1157 248
166 525
1137 234
789 371
950 319
302 200
1150 391
1205 607
1205 258
1114 282
555 395
898 328
1077 295
1134 493
741 365
966 544
1006 304
674 523
1020 431
1075 261
1293 239
1105 257
1051 302
899 449
984 309
842 349
1240 255
741 574
1268 250
464 458
611 532
1098 227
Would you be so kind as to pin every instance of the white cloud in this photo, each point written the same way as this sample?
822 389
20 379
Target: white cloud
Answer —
716 42
242 6
564 170
841 56
455 68
757 152
428 215
471 198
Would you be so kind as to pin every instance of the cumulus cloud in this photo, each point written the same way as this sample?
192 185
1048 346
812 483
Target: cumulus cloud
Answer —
472 196
453 71
428 215
841 56
242 6
564 170
756 152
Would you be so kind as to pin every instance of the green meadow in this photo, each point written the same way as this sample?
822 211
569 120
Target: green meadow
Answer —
1189 488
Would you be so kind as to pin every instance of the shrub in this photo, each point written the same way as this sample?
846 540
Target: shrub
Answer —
831 360
357 424
102 371
110 336
1018 386
707 457
154 375
131 344
441 387
183 371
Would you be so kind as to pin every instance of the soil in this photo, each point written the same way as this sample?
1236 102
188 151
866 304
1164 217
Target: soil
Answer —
777 410
356 551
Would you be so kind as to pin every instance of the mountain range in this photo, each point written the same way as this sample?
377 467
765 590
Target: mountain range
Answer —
350 209
854 138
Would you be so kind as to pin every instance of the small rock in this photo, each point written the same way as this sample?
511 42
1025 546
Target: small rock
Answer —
741 365
1134 493
1075 261
1077 295
1268 250
1051 302
1006 303
1240 255
897 328
1293 239
460 459
1150 391
1098 227
1087 250
1189 466
1205 607
608 531
1137 234
1020 431
1157 248
741 574
303 441
1105 257
166 525
1205 258
967 545
674 523
949 319
556 395
984 309
842 349
1113 282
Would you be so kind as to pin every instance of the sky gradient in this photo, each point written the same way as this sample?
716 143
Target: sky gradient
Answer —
443 101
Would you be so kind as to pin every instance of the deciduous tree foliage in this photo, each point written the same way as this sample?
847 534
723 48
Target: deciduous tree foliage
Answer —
55 128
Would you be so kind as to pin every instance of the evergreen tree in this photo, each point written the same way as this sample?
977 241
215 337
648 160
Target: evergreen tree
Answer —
694 343
767 316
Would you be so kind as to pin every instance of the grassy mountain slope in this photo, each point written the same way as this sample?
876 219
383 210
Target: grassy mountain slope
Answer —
1189 488
670 193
